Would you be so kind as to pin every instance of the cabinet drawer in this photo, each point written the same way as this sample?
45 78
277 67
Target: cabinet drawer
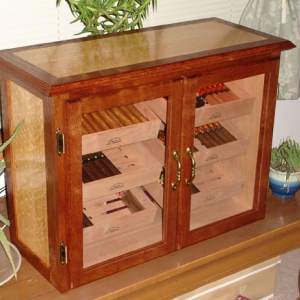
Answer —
205 156
216 182
117 213
212 183
124 135
240 104
137 165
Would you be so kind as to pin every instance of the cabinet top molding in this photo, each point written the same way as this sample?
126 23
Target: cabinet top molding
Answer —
51 65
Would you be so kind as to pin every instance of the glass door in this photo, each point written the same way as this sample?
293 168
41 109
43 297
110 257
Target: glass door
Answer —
125 170
223 157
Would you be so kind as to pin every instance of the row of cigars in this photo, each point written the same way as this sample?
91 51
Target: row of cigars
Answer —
126 115
97 166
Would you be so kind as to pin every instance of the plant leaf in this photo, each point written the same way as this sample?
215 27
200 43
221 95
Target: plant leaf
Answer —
3 146
6 247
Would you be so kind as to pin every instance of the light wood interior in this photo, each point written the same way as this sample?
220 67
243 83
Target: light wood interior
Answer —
125 242
108 219
140 158
244 158
227 110
137 165
112 138
216 182
250 126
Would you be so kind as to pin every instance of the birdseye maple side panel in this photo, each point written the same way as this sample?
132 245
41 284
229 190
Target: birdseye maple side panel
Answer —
28 173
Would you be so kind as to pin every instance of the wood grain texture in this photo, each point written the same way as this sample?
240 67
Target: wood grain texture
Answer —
28 152
59 67
183 271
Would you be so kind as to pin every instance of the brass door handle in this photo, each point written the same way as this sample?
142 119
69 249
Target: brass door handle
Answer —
190 154
176 157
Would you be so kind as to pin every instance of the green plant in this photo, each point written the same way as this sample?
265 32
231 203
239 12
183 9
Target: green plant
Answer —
286 157
108 16
3 220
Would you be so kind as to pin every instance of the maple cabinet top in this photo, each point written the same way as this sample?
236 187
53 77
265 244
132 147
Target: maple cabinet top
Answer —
93 57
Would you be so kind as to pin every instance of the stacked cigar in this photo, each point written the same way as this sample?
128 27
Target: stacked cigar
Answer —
213 134
111 118
214 94
97 166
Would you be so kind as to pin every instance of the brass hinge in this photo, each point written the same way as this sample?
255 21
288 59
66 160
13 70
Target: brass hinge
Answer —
60 141
63 253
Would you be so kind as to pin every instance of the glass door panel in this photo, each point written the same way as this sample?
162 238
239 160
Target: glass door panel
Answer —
226 132
123 159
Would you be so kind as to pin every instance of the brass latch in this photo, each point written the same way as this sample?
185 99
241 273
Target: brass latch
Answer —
60 141
63 253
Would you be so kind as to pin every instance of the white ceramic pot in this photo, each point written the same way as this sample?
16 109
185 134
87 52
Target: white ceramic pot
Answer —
6 270
280 187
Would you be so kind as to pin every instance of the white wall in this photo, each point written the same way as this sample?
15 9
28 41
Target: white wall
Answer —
287 121
32 22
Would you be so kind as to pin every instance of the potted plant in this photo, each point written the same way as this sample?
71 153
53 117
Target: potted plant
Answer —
284 176
7 246
108 16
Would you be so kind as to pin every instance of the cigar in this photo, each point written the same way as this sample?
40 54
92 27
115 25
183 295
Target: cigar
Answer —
113 210
204 136
100 165
114 118
207 95
126 111
137 113
91 170
217 97
227 96
204 140
85 122
230 94
214 135
91 173
99 120
93 122
211 139
227 135
102 116
111 201
86 128
85 177
99 162
120 115
221 135
220 93
108 164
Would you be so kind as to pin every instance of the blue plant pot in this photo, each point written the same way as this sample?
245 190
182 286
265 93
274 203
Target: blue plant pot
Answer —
280 188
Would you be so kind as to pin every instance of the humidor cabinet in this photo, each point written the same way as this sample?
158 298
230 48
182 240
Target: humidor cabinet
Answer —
136 144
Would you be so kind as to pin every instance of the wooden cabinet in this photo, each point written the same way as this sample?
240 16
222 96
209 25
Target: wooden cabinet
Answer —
115 165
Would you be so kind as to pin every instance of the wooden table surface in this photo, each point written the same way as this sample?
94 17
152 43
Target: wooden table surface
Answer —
182 271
